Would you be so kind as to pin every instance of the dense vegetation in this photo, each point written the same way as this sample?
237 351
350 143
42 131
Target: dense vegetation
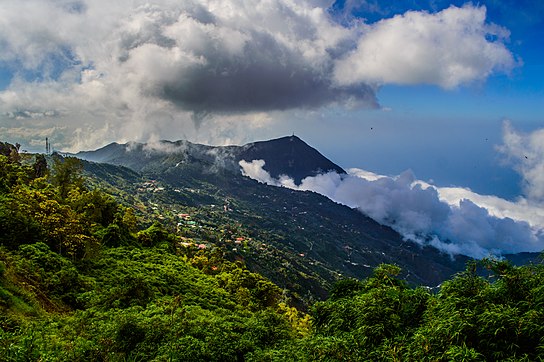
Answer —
301 241
85 278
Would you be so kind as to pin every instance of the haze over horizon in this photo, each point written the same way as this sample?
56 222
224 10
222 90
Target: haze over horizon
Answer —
451 90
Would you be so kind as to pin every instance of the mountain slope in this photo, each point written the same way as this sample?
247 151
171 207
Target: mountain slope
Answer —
87 282
300 240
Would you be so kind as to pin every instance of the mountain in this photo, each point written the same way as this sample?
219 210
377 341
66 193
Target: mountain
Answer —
85 278
288 156
283 156
302 241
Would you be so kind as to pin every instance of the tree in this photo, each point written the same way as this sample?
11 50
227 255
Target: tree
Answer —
153 235
16 225
369 320
40 166
130 220
10 151
66 174
96 206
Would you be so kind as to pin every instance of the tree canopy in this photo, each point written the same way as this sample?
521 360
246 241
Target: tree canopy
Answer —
82 277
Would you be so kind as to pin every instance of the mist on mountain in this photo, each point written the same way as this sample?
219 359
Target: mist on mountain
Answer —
454 220
416 210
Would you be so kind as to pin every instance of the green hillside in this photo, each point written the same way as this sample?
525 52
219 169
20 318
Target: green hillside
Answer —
79 280
302 241
96 270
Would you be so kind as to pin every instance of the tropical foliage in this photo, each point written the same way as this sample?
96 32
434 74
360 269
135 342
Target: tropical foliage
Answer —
85 278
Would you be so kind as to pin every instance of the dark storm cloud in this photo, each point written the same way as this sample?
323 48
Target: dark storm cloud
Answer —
239 66
261 85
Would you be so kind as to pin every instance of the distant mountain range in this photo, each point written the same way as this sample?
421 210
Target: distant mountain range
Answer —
309 241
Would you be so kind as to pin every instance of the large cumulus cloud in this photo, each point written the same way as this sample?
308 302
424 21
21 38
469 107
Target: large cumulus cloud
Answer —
228 56
134 68
447 48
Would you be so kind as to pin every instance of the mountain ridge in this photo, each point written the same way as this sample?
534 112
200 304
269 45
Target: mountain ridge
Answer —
287 155
311 240
302 159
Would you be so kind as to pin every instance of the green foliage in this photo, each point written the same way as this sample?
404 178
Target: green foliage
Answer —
66 174
486 317
472 318
79 282
57 279
252 291
10 151
345 288
147 303
130 220
40 166
96 206
153 235
16 226
115 235
363 318
60 213
144 304
12 173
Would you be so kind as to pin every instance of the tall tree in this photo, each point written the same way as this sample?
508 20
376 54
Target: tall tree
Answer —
66 174
40 166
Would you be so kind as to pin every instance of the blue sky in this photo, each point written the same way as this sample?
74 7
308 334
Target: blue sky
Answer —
453 91
453 133
450 136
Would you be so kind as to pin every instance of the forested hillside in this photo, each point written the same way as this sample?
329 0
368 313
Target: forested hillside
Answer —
85 277
301 240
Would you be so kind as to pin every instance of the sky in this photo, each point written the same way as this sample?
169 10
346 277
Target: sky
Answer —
449 92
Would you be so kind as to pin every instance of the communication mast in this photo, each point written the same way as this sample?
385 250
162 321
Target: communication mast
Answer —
47 146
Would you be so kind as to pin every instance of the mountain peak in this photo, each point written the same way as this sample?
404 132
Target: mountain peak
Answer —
289 156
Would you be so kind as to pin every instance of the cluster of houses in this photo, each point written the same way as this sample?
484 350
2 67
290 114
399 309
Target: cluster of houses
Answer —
150 186
189 243
186 220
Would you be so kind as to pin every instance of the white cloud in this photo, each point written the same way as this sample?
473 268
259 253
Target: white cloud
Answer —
137 69
447 48
520 210
526 152
254 170
454 220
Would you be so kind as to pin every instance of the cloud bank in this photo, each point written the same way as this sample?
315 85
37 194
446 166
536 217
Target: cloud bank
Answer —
127 69
456 221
